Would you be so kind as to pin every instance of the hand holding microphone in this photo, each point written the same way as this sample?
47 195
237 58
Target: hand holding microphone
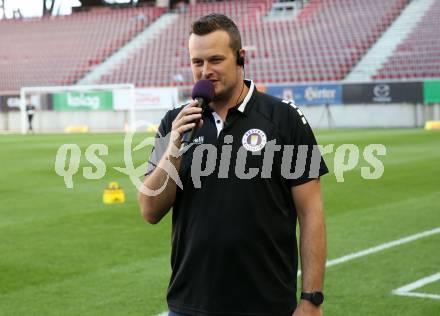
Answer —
189 117
203 93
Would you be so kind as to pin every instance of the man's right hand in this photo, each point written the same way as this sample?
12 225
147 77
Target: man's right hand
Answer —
188 118
154 207
306 308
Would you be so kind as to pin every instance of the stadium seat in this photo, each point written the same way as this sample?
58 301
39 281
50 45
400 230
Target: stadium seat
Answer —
300 49
61 50
418 56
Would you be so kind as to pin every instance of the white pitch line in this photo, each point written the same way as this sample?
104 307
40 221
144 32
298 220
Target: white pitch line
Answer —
406 289
422 295
382 247
372 250
419 283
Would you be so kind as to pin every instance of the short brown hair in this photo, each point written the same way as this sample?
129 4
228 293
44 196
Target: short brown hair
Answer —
214 22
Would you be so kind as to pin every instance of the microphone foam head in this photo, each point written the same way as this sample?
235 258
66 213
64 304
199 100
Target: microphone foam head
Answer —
203 89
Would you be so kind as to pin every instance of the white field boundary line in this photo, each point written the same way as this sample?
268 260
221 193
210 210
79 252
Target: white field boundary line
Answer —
372 250
406 289
380 247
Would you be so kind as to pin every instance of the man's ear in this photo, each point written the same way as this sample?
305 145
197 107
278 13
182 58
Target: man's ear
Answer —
240 57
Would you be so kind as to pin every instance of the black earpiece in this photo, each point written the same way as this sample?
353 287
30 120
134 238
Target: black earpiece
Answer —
240 59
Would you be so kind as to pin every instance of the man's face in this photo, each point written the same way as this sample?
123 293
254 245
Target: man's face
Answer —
212 58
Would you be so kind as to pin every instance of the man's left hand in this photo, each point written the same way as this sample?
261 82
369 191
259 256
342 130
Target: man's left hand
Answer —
306 308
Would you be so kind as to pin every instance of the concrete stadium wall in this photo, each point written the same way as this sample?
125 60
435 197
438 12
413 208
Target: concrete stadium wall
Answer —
98 121
366 116
335 116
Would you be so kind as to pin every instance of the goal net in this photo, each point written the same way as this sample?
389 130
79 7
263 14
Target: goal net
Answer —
92 108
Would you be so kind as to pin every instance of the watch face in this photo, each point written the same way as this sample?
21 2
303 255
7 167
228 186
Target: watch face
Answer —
317 298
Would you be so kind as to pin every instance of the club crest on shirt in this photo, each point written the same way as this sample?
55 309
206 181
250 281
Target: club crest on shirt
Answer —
254 140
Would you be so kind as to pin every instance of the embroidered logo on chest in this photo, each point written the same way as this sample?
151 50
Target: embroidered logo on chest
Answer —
254 140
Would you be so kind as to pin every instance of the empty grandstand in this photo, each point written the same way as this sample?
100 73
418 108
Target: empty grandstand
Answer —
61 50
296 50
296 43
418 55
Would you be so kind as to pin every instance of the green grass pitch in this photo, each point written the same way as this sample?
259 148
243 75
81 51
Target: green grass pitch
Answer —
63 252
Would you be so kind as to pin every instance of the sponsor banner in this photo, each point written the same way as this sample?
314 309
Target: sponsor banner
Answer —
318 94
147 98
157 98
261 87
3 106
99 100
383 92
431 91
315 94
9 103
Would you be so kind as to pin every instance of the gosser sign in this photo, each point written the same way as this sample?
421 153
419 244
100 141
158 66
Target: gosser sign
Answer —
316 94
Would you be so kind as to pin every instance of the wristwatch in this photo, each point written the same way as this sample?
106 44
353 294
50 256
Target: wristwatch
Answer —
315 297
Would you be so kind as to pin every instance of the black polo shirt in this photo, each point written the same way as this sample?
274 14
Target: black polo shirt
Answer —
234 248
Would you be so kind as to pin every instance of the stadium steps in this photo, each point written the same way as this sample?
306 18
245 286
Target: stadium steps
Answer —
118 58
379 53
416 57
298 50
60 50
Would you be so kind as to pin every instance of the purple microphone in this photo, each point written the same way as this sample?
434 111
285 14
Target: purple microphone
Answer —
203 89
203 93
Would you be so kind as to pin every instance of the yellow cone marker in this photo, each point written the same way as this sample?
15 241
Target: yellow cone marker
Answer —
432 125
113 194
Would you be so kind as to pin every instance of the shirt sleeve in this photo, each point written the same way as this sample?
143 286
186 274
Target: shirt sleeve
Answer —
160 143
306 155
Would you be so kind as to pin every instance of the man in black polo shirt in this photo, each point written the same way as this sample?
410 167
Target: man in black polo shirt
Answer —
250 173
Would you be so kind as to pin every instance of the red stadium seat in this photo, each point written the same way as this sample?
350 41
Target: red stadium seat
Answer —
419 55
61 50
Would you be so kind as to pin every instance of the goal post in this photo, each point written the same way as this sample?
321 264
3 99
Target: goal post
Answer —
79 101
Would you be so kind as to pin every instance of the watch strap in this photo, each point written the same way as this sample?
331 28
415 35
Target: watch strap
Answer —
315 297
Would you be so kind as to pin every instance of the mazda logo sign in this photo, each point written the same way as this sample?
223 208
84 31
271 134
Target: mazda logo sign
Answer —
381 90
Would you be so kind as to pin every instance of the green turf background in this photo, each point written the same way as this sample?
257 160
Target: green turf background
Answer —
63 252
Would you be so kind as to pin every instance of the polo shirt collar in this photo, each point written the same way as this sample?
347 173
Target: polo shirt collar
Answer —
243 104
